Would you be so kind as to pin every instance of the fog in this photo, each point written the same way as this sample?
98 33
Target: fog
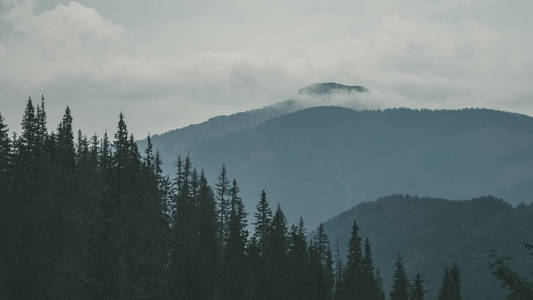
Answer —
179 62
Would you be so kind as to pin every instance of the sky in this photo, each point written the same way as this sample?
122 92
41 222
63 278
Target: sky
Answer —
168 63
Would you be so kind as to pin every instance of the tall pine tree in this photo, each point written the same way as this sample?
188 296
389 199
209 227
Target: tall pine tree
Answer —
400 285
417 288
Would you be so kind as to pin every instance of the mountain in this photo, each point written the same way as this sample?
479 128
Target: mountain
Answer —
320 161
432 233
183 140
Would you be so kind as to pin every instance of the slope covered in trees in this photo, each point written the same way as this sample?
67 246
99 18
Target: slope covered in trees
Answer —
183 140
321 161
94 218
431 234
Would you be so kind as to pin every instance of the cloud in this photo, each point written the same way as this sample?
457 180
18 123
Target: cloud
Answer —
194 60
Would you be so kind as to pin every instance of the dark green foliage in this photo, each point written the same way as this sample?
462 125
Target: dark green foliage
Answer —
96 219
5 159
451 284
321 266
422 230
222 192
417 288
298 262
275 257
379 285
263 217
455 154
352 276
234 261
400 285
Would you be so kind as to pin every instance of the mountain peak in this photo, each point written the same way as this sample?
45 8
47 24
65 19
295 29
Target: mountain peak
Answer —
326 88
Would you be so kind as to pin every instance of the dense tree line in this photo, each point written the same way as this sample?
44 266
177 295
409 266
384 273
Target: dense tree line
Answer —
93 218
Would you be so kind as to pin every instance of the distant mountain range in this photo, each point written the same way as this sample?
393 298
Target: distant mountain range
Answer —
319 161
432 233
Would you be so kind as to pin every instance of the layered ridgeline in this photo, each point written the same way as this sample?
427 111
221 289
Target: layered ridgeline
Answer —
431 233
320 161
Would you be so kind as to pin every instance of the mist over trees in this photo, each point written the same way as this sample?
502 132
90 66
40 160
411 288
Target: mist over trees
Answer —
95 218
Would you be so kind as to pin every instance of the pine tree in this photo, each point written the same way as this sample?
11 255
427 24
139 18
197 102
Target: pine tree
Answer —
263 218
252 289
41 122
206 249
26 280
321 265
451 284
417 289
444 293
379 284
222 191
352 276
338 271
369 289
5 160
455 282
5 180
298 263
275 257
29 138
400 286
234 263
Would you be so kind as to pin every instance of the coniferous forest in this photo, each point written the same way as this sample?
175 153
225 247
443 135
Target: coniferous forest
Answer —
95 218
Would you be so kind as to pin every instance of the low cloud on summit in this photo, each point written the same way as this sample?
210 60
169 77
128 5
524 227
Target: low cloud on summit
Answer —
178 62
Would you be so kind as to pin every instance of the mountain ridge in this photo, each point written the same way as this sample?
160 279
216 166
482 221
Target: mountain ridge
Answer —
342 155
430 233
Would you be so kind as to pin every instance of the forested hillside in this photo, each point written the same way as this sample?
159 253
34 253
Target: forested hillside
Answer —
183 140
321 161
95 218
431 233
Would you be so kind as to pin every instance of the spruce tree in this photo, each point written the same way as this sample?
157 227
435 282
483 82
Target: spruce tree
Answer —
352 276
275 257
5 160
206 249
222 191
451 284
321 264
455 282
5 180
417 288
234 263
25 254
379 284
369 289
400 286
444 292
252 287
298 263
338 272
263 218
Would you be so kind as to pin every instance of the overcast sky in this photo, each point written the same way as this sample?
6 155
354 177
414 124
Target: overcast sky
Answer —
173 63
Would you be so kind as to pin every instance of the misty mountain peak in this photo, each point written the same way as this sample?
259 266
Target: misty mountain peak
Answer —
326 88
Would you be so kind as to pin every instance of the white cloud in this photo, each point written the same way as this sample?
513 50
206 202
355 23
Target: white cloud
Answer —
193 60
